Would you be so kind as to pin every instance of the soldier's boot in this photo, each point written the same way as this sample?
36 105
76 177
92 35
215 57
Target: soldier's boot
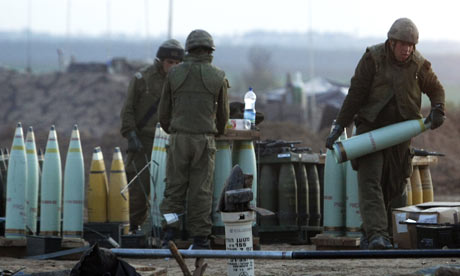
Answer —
201 242
168 236
380 242
363 242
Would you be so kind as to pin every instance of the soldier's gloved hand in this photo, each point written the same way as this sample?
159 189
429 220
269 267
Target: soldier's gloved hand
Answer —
134 144
334 135
436 116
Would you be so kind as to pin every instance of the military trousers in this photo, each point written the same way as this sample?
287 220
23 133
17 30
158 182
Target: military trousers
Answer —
189 181
139 190
381 187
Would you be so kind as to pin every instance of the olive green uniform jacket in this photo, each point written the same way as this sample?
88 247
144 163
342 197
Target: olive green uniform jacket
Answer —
384 91
193 109
144 91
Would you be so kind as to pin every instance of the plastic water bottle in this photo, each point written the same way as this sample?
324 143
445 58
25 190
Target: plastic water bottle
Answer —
250 107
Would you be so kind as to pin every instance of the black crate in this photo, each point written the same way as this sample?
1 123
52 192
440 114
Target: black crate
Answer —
434 237
134 241
100 232
38 245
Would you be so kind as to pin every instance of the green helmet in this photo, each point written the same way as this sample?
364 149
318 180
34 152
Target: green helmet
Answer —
405 30
172 49
199 38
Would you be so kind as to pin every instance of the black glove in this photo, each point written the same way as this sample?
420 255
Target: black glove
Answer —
134 144
436 116
334 135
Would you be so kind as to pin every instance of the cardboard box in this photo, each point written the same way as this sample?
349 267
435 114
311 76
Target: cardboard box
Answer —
405 236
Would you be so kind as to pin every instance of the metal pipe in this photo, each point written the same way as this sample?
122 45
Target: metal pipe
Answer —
281 255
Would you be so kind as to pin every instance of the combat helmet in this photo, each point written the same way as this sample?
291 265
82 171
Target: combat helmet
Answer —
172 49
405 30
199 38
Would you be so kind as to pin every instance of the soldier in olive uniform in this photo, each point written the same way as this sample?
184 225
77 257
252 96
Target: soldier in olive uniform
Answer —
138 122
193 109
387 88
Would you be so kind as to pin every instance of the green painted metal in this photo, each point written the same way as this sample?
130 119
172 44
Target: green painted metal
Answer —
223 168
334 194
268 193
314 192
33 181
244 155
378 139
287 195
16 187
51 189
302 194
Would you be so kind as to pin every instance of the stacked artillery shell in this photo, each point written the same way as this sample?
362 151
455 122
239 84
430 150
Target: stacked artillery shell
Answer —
33 181
244 155
268 193
353 216
287 195
353 219
314 194
427 184
97 189
334 194
158 173
223 168
16 187
302 194
51 188
118 206
409 192
416 185
74 188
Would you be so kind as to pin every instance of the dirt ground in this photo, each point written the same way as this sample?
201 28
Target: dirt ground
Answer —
359 267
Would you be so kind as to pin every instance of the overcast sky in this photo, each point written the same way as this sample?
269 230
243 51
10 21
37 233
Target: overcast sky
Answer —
436 20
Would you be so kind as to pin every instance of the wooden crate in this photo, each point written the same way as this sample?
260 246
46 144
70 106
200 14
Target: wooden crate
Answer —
329 242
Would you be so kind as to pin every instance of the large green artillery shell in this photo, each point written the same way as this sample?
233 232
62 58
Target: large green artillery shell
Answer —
223 168
33 176
314 193
353 216
245 156
16 187
268 193
416 185
74 188
158 173
427 184
51 189
287 195
334 194
302 193
378 139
